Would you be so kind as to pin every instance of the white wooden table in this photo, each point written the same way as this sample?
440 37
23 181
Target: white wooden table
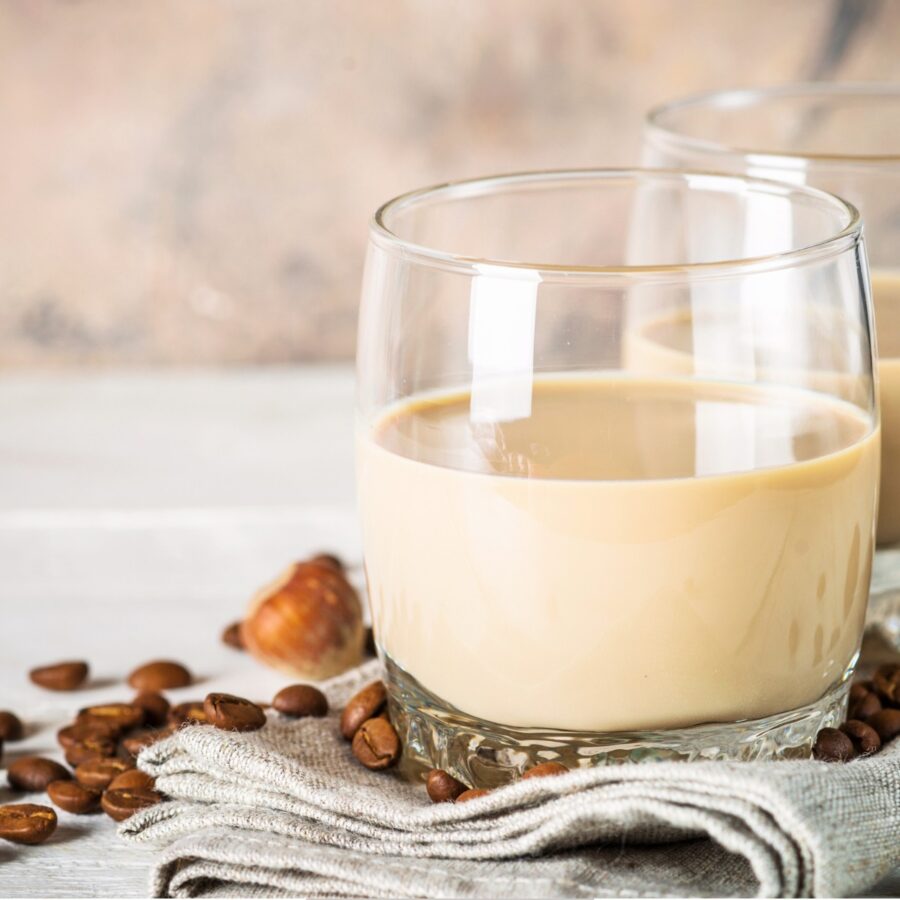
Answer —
137 515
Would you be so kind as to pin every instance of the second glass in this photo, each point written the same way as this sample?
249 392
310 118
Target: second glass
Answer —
577 546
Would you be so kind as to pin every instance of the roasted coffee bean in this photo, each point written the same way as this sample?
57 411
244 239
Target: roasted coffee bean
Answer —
362 706
301 700
98 773
123 803
135 743
26 823
442 787
133 778
230 713
160 675
74 797
72 733
11 728
376 744
864 737
190 712
34 773
542 770
886 723
233 637
864 706
857 691
833 746
329 559
471 794
62 676
887 684
155 707
95 747
115 718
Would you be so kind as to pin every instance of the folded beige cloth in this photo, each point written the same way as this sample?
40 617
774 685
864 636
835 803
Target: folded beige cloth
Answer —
287 811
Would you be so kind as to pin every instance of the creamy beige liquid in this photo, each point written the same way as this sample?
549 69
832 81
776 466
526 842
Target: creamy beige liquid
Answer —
682 551
886 294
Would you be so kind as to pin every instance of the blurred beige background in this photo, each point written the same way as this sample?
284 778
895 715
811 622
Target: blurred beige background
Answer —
189 181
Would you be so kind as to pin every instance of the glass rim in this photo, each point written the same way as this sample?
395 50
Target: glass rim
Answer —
382 235
756 97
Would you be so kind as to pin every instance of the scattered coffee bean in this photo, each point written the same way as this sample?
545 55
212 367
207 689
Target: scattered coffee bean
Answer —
376 744
160 675
857 692
62 676
230 713
300 700
11 728
135 743
864 706
886 723
442 787
190 712
233 637
155 707
123 803
833 746
363 706
133 778
329 559
26 823
886 681
74 797
94 747
864 738
78 732
471 794
542 770
115 718
34 773
98 773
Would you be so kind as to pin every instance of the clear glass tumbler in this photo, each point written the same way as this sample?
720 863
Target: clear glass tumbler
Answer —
843 138
580 546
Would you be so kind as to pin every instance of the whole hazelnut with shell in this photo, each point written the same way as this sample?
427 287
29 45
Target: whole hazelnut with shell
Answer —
307 623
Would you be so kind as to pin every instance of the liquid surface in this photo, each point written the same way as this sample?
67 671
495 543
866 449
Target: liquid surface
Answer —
611 589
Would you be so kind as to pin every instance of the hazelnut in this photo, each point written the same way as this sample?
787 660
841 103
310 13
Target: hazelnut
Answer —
308 623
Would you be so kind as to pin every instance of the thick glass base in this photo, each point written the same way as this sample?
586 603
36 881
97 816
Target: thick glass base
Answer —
884 598
485 754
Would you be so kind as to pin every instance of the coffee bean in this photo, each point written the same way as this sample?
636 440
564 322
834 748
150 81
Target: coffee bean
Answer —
159 675
74 797
329 559
864 706
115 718
133 778
544 769
442 787
857 691
833 746
122 803
887 684
865 738
98 773
300 700
190 712
93 747
886 723
362 706
26 823
376 744
11 728
232 636
471 794
230 713
62 676
34 773
77 732
136 742
155 707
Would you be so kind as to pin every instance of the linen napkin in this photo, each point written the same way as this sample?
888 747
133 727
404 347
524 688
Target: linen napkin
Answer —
287 811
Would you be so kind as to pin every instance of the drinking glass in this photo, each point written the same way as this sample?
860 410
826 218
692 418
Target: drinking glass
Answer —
580 549
843 138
